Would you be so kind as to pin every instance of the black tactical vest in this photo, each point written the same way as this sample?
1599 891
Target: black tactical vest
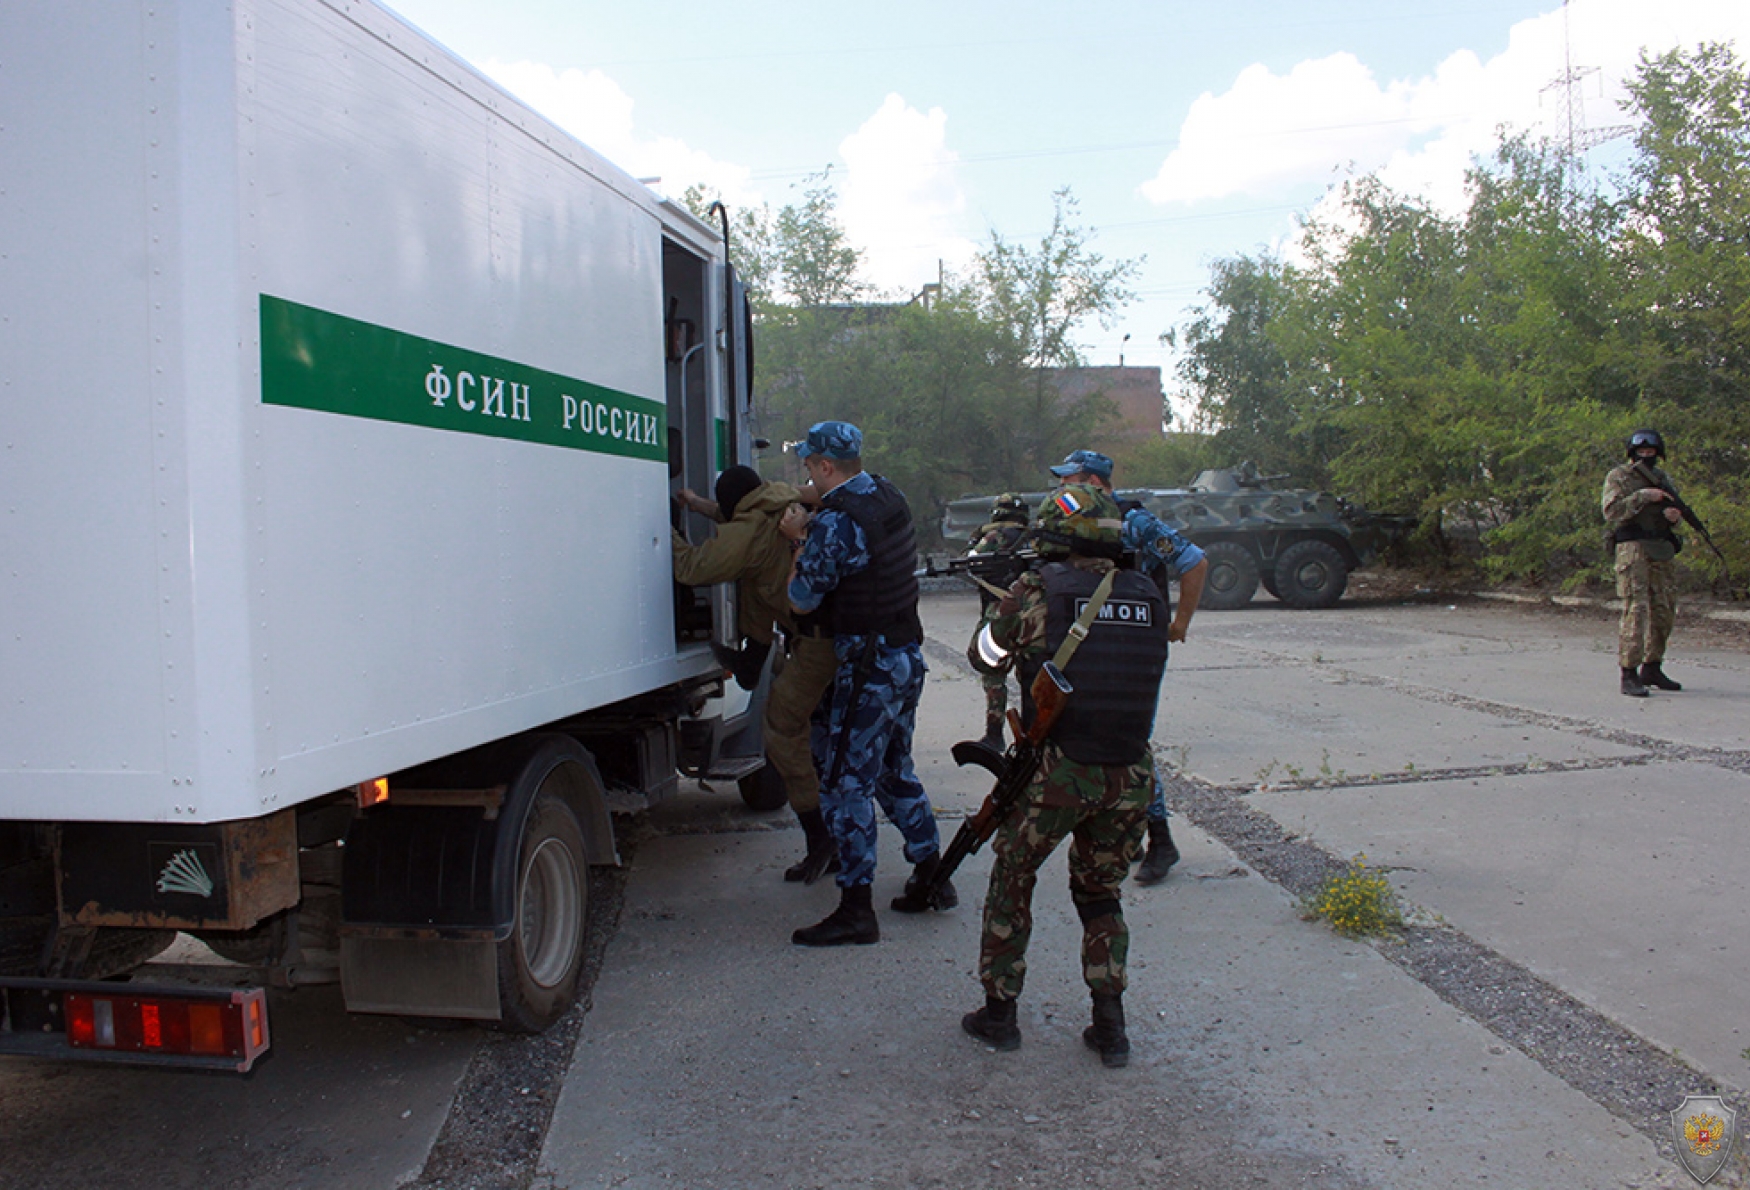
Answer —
1649 524
883 596
1116 673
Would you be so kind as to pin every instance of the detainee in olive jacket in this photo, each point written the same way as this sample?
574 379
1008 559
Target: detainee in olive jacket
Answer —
748 549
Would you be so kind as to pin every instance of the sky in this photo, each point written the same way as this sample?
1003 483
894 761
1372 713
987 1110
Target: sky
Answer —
1187 133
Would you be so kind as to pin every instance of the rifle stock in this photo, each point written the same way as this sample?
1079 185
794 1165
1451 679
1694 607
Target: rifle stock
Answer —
1050 691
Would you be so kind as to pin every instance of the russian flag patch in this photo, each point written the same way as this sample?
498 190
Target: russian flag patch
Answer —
1068 504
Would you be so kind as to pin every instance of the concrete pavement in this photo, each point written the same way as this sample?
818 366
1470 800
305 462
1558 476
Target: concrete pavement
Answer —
1266 1051
1481 754
1601 844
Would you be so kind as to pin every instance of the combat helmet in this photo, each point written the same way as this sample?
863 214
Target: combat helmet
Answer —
1641 438
1079 518
1010 508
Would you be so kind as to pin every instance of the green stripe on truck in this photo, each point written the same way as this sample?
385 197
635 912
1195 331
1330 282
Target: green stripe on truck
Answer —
311 359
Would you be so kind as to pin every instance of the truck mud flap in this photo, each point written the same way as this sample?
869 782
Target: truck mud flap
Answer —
431 922
419 926
420 976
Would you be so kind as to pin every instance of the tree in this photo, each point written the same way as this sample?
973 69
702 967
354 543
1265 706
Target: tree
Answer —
1686 255
753 246
798 256
954 396
1240 379
1039 298
1483 370
1045 294
815 259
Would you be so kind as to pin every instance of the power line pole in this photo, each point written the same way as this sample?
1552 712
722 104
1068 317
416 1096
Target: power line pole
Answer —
1574 135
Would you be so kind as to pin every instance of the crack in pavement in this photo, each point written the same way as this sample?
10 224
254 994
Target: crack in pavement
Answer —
1614 1067
1655 746
1524 768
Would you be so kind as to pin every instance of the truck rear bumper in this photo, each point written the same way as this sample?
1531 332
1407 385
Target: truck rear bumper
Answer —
135 1024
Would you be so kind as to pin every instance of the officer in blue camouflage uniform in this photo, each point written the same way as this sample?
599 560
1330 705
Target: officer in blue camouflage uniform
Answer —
1092 785
1163 555
854 574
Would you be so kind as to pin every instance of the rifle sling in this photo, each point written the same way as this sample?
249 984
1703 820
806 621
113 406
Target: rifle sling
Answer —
1078 632
999 592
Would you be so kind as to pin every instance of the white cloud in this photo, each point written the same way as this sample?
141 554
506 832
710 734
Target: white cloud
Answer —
900 200
1269 133
592 107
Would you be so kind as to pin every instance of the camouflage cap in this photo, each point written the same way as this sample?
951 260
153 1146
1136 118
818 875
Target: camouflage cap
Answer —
1090 461
1081 518
835 439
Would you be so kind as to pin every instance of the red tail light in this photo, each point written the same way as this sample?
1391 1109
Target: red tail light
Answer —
227 1025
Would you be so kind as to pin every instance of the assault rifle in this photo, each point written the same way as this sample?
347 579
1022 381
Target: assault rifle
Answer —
1677 502
1013 769
990 572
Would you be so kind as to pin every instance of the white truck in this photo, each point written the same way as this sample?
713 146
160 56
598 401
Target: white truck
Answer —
342 399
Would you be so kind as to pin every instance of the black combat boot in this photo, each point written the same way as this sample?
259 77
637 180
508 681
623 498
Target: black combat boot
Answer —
823 855
1652 675
993 733
994 1024
1631 684
853 922
914 900
1106 1035
1161 854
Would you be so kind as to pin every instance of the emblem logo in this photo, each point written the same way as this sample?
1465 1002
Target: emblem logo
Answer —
1703 1130
184 873
1119 611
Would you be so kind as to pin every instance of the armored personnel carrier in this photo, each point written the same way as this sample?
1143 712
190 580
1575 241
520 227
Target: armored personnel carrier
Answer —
1299 544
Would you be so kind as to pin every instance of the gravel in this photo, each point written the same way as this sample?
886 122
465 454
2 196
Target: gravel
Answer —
1618 1070
497 1124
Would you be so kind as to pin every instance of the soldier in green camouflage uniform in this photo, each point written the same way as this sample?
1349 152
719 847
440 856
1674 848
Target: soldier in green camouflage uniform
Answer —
1100 804
1002 534
1642 522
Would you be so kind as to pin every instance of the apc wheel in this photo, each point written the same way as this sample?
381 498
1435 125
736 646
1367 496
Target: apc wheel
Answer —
1232 578
1311 574
764 790
539 964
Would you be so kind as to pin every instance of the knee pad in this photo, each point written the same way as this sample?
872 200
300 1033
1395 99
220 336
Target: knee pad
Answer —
1094 910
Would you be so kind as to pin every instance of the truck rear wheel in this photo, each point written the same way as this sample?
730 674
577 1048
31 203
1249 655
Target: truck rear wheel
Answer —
117 951
1232 579
1311 574
258 947
539 964
764 790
